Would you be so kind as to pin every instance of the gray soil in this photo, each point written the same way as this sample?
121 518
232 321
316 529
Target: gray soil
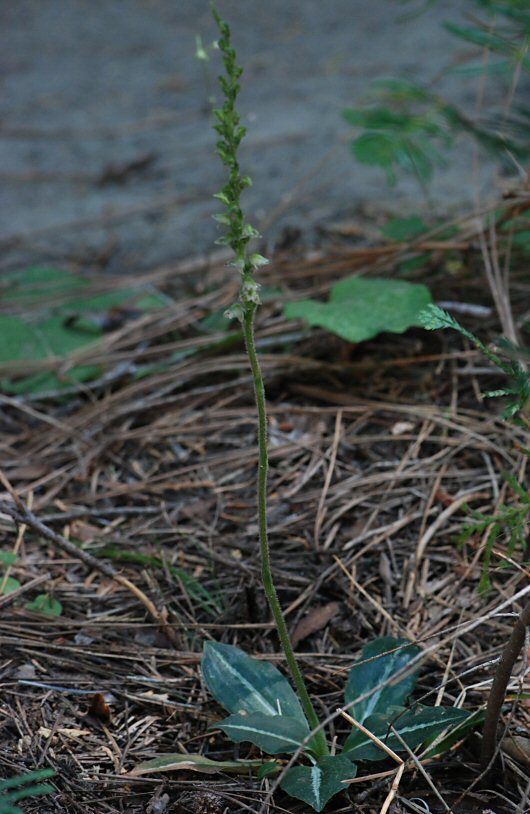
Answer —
107 152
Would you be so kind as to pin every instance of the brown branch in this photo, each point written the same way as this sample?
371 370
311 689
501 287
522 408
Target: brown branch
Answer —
498 689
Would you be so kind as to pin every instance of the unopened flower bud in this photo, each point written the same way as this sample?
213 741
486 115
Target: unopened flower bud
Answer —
236 311
249 291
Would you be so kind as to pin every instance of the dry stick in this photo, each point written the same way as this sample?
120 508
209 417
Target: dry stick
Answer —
21 514
390 752
498 689
321 503
420 768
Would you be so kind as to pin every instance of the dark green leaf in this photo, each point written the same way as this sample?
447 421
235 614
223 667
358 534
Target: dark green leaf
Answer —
40 283
317 784
415 726
62 321
243 684
272 733
376 667
7 557
361 308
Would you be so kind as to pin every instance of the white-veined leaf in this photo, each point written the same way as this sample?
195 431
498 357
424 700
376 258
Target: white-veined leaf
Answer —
319 783
243 684
415 726
272 733
380 661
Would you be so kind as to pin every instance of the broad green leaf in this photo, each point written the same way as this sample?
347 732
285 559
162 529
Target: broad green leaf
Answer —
44 382
360 308
195 763
61 321
7 557
40 282
317 784
376 667
7 586
415 726
272 733
44 603
243 684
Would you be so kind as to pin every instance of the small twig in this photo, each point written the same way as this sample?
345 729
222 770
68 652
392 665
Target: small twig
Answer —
321 503
367 778
393 789
21 514
420 768
378 742
401 763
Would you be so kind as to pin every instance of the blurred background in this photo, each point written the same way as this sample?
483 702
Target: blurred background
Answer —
107 151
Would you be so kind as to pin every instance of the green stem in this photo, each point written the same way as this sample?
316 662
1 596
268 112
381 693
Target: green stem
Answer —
319 740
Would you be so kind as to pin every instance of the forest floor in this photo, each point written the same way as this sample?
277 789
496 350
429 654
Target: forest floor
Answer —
377 450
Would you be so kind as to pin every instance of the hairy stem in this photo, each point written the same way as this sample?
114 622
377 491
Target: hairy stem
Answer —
268 582
498 688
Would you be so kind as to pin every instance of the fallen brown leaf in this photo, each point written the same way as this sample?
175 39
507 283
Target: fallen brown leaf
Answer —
315 620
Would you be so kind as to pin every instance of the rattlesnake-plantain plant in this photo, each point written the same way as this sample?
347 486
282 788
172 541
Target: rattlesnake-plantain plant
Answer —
265 710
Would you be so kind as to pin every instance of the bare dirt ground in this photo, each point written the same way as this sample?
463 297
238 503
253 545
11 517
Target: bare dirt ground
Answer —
106 147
